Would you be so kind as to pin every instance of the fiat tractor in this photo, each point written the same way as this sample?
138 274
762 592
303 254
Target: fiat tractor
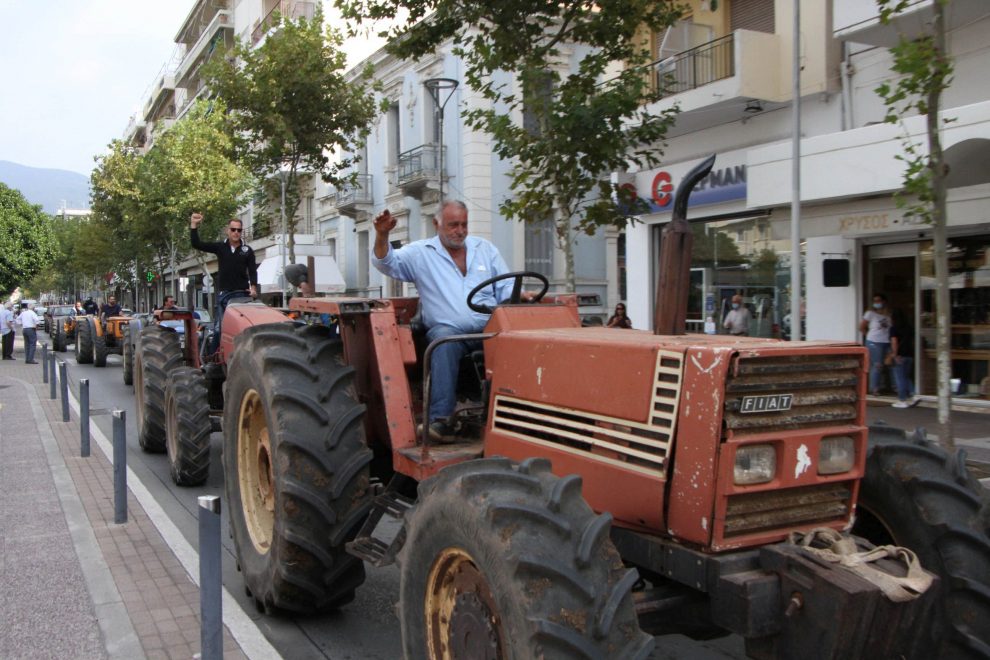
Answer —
604 487
97 338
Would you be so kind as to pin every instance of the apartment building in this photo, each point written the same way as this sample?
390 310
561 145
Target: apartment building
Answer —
730 63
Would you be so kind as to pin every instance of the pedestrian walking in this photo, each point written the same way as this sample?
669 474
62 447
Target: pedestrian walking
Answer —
738 318
876 326
902 358
7 327
29 331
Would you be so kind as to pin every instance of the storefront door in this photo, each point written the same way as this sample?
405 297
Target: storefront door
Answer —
892 271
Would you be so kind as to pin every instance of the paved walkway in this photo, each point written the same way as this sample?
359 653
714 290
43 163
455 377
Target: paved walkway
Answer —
75 584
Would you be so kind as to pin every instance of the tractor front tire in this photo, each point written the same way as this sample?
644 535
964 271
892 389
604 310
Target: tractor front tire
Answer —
84 341
127 351
505 560
917 495
187 426
100 351
158 353
296 467
58 342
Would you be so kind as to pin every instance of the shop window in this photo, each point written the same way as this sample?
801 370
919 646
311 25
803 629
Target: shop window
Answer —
745 256
969 294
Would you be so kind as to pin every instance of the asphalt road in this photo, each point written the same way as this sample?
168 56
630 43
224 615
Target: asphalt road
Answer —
367 628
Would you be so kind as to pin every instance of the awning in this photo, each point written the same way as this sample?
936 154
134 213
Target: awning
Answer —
328 277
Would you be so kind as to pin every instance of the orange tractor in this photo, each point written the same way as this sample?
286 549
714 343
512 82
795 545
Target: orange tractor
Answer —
606 485
96 339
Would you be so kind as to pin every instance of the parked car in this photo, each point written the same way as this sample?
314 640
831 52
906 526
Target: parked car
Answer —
54 312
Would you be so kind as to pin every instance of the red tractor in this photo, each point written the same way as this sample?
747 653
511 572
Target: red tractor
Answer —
606 486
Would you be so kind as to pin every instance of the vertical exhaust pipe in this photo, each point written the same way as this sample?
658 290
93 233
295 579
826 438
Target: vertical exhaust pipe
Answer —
676 241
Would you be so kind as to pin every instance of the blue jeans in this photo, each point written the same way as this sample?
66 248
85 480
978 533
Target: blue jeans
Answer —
445 363
30 339
223 298
877 352
902 376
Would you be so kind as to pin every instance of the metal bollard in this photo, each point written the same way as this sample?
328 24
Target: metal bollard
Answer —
52 380
64 381
210 585
44 362
119 467
84 417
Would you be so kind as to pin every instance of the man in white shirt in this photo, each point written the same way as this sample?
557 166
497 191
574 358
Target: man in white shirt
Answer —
7 329
737 320
29 331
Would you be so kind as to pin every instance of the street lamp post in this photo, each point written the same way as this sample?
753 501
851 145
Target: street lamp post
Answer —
436 86
282 174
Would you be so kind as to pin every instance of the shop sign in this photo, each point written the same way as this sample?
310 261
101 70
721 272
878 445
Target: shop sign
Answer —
725 183
869 223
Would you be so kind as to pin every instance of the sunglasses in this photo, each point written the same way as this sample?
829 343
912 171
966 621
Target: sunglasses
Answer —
237 229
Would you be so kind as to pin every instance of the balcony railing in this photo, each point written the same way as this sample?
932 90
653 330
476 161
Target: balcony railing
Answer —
699 66
288 8
419 165
349 195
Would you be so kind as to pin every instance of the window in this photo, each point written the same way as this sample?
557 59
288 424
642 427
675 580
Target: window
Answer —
363 260
394 141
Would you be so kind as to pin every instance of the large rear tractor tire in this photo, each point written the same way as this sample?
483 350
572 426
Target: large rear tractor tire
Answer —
127 352
100 350
58 342
296 466
508 561
158 353
917 495
187 426
84 341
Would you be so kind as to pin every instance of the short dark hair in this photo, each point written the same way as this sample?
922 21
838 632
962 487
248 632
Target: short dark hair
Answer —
235 220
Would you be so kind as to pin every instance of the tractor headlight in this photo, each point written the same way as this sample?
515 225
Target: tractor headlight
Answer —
836 455
755 464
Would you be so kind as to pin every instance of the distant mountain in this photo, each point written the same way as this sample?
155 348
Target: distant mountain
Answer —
50 188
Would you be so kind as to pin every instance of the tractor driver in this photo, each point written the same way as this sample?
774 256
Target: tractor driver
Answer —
444 269
109 308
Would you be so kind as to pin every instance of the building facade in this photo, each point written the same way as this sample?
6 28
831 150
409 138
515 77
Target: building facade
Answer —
730 64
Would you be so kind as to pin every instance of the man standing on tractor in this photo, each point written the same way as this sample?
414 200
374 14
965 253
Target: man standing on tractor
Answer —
237 269
444 269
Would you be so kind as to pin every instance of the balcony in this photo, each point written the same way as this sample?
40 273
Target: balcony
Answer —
288 8
859 21
219 30
711 83
419 169
136 134
353 199
162 101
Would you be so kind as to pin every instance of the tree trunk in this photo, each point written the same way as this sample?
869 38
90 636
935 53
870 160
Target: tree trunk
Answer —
943 310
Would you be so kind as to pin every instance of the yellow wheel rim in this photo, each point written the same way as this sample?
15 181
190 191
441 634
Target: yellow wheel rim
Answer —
254 472
462 619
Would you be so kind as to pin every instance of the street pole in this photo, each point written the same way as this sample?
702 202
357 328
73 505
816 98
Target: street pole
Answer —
435 86
796 184
282 251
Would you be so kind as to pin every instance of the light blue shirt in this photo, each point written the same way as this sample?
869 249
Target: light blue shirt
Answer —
6 320
442 288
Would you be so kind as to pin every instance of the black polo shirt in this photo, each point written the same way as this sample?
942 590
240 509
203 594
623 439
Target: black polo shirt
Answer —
238 268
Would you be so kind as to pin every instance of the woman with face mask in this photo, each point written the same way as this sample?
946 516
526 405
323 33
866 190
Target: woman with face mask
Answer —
876 326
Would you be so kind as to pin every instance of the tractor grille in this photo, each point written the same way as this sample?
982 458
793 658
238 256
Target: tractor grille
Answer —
824 391
643 447
790 507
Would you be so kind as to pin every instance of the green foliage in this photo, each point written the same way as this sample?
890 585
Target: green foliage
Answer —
27 242
579 72
292 106
924 71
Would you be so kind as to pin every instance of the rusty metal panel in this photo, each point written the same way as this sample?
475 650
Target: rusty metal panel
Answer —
599 372
692 492
634 497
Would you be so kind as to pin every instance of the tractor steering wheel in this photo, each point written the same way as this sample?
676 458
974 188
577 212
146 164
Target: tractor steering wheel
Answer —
516 296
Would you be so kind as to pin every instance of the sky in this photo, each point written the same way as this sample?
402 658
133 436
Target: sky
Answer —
73 72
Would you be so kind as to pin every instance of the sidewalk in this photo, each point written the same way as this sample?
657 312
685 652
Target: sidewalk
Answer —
77 585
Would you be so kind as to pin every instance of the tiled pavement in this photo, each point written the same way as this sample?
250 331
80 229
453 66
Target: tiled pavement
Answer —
77 585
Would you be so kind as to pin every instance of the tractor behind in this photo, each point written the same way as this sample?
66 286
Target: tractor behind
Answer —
96 338
606 485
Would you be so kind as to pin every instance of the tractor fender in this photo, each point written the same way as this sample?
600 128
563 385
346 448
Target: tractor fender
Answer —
239 317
